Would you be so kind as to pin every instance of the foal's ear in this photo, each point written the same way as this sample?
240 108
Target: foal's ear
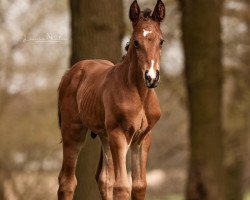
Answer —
159 11
134 12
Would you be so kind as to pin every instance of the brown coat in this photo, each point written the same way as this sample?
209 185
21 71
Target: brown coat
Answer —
119 104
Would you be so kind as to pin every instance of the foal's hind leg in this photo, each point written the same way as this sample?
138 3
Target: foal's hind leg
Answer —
105 172
73 137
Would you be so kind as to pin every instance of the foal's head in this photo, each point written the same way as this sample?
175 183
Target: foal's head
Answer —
147 39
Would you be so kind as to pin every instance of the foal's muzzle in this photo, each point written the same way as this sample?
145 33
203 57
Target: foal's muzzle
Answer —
152 82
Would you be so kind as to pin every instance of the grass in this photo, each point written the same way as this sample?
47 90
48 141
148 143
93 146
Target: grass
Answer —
180 197
247 196
169 197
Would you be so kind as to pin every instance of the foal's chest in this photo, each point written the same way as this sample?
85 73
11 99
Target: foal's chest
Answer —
139 120
133 114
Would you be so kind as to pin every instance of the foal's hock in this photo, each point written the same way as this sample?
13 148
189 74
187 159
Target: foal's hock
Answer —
117 103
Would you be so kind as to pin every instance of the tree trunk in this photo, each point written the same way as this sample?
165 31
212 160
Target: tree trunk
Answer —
236 123
237 115
2 193
97 31
203 71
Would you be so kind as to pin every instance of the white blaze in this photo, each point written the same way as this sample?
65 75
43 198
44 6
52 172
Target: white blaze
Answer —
146 32
157 66
151 71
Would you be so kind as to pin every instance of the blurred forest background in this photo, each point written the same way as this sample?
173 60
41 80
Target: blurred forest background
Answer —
35 51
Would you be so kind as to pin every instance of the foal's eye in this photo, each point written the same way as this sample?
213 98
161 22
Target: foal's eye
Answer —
161 43
136 44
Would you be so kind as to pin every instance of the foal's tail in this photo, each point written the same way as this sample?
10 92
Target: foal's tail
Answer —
58 103
59 115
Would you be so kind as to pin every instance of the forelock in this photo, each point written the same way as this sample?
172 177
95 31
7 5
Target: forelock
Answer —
146 14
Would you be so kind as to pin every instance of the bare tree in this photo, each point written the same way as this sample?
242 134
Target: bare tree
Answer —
97 31
203 70
237 98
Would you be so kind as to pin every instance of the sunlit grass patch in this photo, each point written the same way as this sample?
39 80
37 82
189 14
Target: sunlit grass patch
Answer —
180 197
170 197
247 196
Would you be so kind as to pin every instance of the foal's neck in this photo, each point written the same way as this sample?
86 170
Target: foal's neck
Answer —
134 75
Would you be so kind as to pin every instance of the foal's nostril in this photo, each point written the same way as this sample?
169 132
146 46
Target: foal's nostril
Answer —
152 82
147 77
157 75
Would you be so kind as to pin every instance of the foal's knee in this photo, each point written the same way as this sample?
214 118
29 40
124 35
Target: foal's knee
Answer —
139 189
67 187
105 187
139 186
121 191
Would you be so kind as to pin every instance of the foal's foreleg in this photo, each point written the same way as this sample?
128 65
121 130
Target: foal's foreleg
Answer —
139 154
119 146
106 176
72 138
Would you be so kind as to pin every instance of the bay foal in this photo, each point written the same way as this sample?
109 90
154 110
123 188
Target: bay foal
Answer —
117 103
